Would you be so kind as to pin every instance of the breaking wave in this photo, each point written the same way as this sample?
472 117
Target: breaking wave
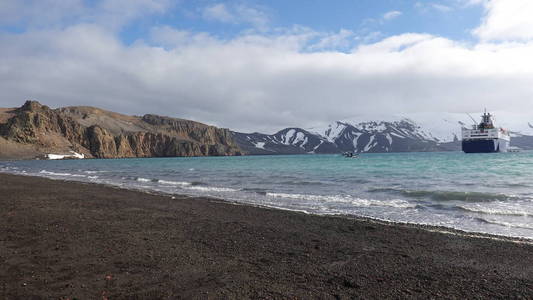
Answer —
259 191
141 179
211 189
506 224
444 195
503 211
177 183
44 172
359 202
92 171
302 182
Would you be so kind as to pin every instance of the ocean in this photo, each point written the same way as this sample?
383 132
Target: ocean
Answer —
488 193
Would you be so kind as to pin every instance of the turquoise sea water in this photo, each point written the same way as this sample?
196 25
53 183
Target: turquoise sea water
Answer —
491 193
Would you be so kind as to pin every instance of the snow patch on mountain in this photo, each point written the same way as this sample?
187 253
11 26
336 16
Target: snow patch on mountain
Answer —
356 139
389 138
332 131
370 144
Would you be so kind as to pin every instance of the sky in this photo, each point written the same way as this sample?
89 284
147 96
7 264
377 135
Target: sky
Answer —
254 65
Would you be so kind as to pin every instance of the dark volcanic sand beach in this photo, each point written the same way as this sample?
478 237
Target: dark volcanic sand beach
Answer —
73 240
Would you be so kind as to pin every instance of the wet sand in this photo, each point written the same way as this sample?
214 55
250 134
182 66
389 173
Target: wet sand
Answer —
74 240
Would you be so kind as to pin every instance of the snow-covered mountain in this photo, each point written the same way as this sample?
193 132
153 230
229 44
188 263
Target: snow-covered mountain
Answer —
379 136
372 136
286 141
414 132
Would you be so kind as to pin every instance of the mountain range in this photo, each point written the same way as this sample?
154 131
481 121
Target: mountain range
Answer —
34 130
370 136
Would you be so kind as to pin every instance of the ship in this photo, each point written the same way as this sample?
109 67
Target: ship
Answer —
485 137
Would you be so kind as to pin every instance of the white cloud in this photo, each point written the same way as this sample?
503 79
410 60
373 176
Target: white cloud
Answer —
391 15
219 12
260 80
58 13
473 2
433 6
254 16
169 37
507 20
386 17
116 13
39 12
369 37
441 7
236 14
341 40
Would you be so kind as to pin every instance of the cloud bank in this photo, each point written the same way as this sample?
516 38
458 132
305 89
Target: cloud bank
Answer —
507 20
263 80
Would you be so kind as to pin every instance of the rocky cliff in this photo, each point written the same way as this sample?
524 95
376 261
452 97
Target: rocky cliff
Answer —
37 130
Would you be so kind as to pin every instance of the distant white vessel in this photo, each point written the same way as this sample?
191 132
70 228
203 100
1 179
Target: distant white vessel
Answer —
485 137
72 155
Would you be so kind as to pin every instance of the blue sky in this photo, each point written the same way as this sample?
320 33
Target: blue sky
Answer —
255 65
366 18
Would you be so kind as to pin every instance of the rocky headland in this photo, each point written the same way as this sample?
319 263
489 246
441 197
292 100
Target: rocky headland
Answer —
33 130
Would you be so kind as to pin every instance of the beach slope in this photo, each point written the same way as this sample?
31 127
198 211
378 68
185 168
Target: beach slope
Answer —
74 240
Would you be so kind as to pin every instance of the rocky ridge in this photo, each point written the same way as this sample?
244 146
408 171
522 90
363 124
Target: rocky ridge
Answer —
101 134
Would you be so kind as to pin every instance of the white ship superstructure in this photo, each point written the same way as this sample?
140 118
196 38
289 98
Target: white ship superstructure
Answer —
485 137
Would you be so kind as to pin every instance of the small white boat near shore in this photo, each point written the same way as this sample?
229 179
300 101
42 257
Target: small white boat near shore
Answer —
72 155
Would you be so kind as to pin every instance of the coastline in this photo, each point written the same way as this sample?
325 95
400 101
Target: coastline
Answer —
65 239
428 227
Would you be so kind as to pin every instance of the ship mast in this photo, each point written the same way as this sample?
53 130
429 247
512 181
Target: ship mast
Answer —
486 121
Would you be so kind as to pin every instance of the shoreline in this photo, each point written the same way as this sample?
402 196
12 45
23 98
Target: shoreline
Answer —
79 239
427 227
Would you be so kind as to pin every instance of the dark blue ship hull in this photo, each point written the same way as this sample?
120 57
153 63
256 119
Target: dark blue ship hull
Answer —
485 146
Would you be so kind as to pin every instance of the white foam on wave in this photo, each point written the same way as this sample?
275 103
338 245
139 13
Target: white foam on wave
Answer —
211 189
164 182
499 208
360 202
178 183
54 173
93 172
143 179
60 174
509 224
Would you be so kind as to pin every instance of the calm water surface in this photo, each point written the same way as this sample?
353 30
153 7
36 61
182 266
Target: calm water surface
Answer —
491 193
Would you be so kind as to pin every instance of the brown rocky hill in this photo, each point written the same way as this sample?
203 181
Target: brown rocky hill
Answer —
34 130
